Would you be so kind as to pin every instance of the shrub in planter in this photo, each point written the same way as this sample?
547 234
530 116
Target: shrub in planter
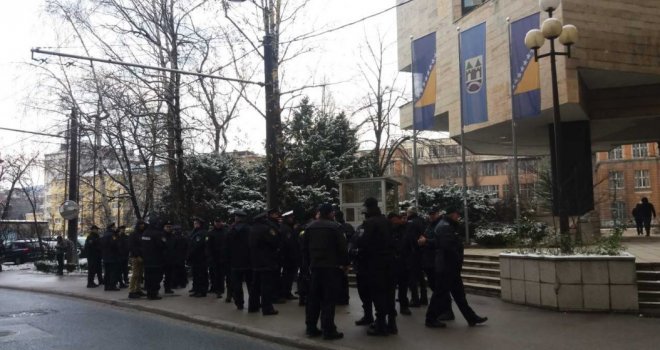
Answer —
46 266
498 236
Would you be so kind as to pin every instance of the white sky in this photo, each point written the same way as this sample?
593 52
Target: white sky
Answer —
334 58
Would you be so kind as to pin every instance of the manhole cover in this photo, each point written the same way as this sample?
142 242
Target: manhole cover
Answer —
28 313
6 333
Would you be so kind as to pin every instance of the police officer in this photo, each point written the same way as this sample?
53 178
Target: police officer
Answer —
217 256
197 260
378 247
325 245
179 273
415 228
428 253
446 242
360 264
110 252
402 260
170 257
137 263
289 255
122 242
304 275
153 254
348 232
264 250
92 251
238 257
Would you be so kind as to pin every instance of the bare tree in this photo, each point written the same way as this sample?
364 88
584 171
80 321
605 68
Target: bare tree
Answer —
15 169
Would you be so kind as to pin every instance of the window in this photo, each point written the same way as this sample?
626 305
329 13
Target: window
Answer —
616 180
640 150
618 210
468 5
642 179
615 153
527 166
492 191
527 191
488 168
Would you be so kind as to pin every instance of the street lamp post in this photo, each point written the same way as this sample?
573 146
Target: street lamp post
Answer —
552 30
273 115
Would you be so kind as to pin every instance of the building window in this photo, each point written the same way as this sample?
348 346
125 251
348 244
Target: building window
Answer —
616 180
489 169
642 180
493 191
527 191
527 166
468 5
615 153
640 150
618 210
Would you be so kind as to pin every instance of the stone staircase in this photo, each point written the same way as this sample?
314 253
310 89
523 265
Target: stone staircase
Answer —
481 275
648 285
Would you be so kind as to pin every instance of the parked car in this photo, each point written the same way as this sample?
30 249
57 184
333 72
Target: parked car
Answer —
24 251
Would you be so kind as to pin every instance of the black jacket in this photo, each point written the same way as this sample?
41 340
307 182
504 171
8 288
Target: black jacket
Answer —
123 246
644 211
402 249
135 243
428 253
216 245
377 243
414 230
325 244
290 248
153 248
93 247
170 248
238 246
197 248
448 247
264 244
110 246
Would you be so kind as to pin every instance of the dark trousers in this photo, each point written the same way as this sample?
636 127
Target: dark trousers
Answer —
323 294
111 274
382 288
152 277
238 277
264 284
417 284
94 270
402 282
200 275
168 274
450 285
123 271
286 280
60 264
640 226
430 277
647 226
219 278
179 276
364 292
304 280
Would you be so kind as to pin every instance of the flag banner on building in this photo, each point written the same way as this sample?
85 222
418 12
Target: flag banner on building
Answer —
525 82
474 104
424 80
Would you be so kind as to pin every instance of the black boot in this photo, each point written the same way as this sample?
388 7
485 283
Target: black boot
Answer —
366 320
391 325
379 328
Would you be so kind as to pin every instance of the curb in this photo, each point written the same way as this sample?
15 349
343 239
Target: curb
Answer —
277 338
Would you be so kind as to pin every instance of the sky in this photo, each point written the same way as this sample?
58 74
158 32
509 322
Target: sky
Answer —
25 25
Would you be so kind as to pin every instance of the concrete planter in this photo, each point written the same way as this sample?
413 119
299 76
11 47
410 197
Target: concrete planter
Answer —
570 283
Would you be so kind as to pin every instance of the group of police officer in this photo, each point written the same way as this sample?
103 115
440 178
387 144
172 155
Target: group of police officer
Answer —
388 254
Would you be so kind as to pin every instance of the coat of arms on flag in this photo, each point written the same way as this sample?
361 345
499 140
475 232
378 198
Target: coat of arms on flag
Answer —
474 74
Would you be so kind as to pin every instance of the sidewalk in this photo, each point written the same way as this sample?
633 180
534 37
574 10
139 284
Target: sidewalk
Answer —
509 326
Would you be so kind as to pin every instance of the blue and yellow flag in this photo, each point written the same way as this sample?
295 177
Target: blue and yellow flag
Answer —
424 80
474 102
525 82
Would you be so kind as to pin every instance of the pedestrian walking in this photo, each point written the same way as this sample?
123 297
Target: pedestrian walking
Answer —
238 256
360 265
402 261
197 260
325 246
646 213
448 246
92 250
415 228
137 263
110 253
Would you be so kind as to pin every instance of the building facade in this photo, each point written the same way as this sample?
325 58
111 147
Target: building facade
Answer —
623 176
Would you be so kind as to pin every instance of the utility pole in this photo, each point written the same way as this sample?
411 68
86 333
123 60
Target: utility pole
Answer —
273 125
72 232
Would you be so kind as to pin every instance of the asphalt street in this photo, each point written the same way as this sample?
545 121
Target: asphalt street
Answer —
37 321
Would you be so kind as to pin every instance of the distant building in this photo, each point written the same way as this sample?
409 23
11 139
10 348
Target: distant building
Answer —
623 176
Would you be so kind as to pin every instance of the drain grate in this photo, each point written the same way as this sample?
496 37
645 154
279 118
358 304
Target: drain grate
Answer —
27 313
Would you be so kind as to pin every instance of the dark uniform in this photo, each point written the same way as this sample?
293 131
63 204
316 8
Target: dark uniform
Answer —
378 247
360 263
289 259
402 264
238 256
348 231
644 212
198 263
304 275
179 273
217 253
93 253
123 258
169 261
428 256
110 251
414 229
137 262
325 245
264 250
448 264
153 255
